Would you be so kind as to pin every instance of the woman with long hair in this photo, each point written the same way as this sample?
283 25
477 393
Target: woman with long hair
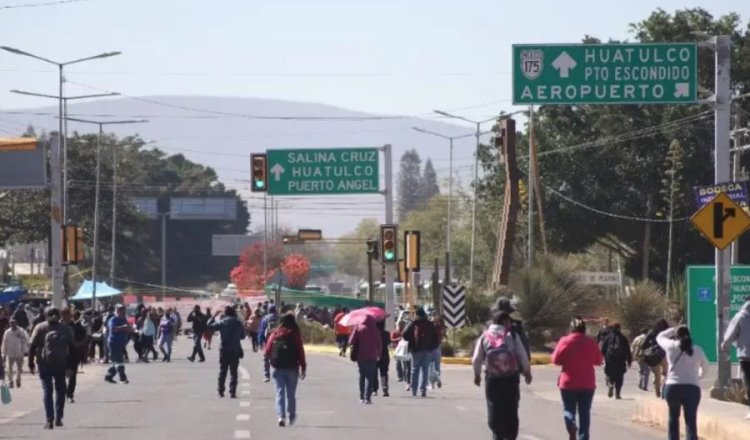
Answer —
577 354
287 355
687 364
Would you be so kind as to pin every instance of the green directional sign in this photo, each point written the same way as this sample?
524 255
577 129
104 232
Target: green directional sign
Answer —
323 171
605 73
701 304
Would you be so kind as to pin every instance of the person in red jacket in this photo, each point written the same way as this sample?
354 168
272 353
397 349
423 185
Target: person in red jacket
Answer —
578 355
342 332
287 354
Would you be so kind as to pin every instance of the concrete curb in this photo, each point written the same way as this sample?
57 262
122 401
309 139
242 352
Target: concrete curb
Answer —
653 412
536 358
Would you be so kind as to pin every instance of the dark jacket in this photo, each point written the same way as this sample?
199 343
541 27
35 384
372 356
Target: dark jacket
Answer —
37 342
516 327
428 339
232 332
616 364
200 322
368 341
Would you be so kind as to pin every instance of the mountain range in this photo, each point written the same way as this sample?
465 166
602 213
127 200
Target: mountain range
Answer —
222 132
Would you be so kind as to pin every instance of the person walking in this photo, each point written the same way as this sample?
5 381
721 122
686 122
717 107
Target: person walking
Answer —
403 366
230 350
655 356
423 339
366 344
199 321
118 335
208 335
342 332
501 354
687 364
384 362
437 354
578 355
166 335
603 333
617 360
51 346
287 354
14 347
504 304
636 349
21 318
267 326
738 333
78 353
253 326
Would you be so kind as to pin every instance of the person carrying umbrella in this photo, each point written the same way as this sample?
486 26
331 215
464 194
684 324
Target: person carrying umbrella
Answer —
366 343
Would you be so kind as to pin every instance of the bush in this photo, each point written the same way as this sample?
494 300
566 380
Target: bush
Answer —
314 333
645 305
549 296
478 304
465 338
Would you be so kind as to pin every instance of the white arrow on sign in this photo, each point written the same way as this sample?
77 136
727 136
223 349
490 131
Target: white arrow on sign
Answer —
277 171
681 89
564 63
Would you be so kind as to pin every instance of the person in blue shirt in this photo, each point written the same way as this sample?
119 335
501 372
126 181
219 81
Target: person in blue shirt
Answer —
230 351
267 326
118 335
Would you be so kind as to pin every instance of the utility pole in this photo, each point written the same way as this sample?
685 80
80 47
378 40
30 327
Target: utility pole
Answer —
164 252
722 101
531 185
56 220
736 138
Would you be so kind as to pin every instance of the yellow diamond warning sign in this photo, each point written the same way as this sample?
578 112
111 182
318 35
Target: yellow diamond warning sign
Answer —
721 221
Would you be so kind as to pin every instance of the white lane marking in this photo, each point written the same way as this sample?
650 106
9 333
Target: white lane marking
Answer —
243 417
241 434
245 392
245 404
531 437
245 374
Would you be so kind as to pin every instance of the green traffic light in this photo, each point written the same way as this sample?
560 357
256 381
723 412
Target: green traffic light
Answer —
389 255
260 183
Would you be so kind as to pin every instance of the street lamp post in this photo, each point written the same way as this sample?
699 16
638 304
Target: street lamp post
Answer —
101 125
57 287
65 134
450 182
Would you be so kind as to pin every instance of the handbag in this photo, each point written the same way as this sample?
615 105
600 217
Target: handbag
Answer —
5 394
402 350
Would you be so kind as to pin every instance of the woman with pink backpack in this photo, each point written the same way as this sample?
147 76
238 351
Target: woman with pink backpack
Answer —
502 354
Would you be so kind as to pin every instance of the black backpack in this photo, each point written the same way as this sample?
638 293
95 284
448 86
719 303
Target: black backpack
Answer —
56 347
616 348
653 355
284 352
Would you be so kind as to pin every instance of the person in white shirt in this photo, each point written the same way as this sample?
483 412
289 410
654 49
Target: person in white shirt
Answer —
14 348
687 364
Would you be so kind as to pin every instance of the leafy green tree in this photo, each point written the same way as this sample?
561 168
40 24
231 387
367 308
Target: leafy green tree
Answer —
409 183
429 184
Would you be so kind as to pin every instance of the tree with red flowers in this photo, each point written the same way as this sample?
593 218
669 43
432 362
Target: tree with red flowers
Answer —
296 270
248 274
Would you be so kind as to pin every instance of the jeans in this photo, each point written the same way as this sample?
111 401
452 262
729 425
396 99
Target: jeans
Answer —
165 345
70 390
745 366
197 348
644 371
285 383
578 401
420 362
503 395
18 362
117 354
368 370
53 380
683 397
228 360
266 367
436 357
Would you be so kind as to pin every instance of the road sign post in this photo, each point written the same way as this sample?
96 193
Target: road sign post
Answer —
323 171
654 73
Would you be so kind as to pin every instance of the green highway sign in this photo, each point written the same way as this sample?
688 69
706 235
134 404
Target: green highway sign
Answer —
323 171
650 73
701 304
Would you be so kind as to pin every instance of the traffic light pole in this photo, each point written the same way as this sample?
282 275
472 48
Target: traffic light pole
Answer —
390 299
56 222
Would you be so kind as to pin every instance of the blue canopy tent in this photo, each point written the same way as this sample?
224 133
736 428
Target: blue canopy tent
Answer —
86 291
11 294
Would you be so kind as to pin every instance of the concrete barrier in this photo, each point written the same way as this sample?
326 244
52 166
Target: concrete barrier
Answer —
712 424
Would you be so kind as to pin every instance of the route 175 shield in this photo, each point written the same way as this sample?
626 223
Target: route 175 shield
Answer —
532 63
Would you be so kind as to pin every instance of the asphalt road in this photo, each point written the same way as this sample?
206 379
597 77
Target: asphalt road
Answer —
179 401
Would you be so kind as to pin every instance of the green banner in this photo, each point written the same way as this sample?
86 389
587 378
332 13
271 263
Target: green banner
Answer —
701 304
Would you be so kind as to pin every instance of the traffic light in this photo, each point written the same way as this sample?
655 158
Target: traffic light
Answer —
73 248
259 172
389 243
372 250
412 243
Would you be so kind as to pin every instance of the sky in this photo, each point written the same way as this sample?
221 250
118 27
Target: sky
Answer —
405 57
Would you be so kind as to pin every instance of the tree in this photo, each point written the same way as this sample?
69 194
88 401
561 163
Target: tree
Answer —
350 253
673 188
429 185
249 273
296 270
409 183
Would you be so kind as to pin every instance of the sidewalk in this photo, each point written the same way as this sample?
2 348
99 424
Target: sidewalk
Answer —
716 420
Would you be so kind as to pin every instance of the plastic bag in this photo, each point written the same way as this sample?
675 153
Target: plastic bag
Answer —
402 351
5 394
